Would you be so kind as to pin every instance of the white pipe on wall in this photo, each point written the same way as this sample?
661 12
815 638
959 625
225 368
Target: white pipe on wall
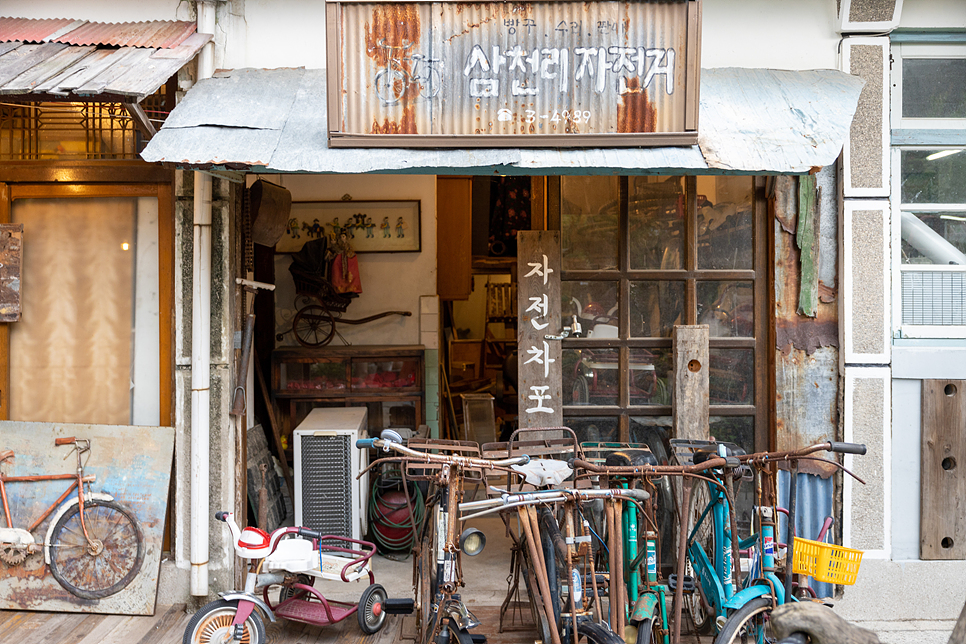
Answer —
201 343
928 242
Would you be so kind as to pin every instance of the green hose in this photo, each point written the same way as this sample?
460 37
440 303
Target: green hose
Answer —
376 516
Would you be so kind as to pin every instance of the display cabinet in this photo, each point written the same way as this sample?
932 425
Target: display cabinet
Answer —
387 380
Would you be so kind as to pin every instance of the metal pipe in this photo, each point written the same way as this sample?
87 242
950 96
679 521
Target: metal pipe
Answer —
201 343
682 556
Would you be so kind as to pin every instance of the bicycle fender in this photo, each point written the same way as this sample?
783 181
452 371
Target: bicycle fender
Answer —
97 496
245 597
644 607
703 570
742 597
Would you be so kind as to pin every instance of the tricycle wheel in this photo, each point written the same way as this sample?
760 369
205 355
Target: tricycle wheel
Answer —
287 591
372 613
213 624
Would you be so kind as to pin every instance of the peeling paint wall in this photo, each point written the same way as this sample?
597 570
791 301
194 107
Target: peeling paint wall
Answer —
807 348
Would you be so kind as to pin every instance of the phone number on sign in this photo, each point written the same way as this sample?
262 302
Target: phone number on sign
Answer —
577 116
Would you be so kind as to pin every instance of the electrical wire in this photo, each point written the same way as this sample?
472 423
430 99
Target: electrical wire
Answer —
379 518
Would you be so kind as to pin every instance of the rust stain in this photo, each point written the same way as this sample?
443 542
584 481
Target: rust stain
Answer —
826 294
405 125
392 37
635 113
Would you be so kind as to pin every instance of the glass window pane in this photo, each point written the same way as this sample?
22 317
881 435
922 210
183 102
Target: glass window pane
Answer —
933 176
724 222
650 376
732 376
728 308
588 221
594 429
591 376
934 238
934 88
656 306
739 430
594 304
656 219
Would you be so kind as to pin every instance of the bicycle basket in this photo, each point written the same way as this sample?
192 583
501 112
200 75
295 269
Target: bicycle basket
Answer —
826 562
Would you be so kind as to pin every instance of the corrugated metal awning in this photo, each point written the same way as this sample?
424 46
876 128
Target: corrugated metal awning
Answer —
751 120
77 60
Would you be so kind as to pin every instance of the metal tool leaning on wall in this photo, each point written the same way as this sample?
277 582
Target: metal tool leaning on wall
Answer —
441 613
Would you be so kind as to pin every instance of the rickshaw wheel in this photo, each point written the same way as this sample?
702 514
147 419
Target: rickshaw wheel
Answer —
314 326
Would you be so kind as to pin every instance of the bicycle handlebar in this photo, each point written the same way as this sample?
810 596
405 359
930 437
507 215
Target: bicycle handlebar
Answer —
847 448
441 458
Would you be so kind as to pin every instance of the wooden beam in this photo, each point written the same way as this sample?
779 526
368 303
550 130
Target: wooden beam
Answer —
141 119
691 382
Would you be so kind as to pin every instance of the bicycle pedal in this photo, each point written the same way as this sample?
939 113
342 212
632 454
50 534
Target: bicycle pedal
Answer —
672 582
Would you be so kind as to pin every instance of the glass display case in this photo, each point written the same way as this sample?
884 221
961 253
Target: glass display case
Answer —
388 380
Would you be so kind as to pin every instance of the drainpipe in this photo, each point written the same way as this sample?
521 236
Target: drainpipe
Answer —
201 342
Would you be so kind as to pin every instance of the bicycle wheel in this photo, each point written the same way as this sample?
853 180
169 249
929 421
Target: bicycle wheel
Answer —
108 562
313 326
550 532
429 87
581 392
212 624
287 592
390 85
594 633
747 624
449 631
702 617
425 574
371 613
651 630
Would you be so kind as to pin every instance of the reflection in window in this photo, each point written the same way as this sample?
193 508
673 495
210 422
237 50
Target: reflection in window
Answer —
724 223
934 88
728 308
656 220
588 215
591 376
650 376
934 238
595 306
731 377
656 306
593 430
933 176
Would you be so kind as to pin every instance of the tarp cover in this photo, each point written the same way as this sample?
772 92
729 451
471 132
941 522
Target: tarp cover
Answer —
750 120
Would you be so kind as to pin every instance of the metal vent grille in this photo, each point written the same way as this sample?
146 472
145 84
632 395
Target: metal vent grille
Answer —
327 484
933 298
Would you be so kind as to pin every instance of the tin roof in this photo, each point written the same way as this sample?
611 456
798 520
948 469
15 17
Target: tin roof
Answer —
63 59
751 120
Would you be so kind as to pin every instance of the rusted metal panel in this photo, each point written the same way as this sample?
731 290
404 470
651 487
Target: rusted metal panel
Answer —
806 352
11 260
155 34
515 73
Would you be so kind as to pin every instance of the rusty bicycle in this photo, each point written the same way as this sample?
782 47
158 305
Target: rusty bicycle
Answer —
93 545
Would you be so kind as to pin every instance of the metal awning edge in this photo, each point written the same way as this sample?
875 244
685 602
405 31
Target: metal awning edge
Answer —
808 116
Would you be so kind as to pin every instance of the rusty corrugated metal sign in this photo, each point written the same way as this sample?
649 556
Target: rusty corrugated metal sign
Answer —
11 259
493 74
156 34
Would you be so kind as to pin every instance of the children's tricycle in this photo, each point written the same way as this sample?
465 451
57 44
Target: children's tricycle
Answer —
290 558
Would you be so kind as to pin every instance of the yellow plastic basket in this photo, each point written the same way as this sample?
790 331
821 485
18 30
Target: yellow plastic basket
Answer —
826 562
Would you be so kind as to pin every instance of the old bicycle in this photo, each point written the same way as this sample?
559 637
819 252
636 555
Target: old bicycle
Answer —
93 545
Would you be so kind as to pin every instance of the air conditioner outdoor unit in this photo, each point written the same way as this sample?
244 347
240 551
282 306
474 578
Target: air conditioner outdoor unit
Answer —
328 496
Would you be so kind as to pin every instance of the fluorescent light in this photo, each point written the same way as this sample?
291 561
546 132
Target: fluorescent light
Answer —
952 217
942 153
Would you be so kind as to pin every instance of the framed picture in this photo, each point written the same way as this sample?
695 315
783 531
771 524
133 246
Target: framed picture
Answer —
372 226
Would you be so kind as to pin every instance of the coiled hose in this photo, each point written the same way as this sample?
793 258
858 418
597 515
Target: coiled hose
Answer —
382 509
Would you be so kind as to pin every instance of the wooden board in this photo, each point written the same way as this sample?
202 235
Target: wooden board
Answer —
258 455
691 378
942 528
538 303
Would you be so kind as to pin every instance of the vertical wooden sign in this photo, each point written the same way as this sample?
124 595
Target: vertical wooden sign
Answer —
691 402
538 298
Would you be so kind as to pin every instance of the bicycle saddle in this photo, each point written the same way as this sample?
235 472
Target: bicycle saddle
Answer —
630 457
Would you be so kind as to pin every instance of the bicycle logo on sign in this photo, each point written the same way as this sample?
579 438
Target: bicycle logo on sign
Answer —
403 71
